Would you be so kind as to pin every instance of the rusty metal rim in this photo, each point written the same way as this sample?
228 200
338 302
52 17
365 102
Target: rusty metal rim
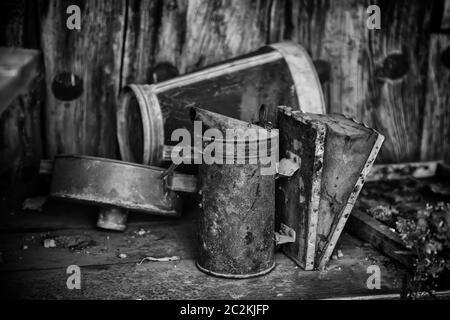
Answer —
273 134
131 164
235 276
152 123
155 210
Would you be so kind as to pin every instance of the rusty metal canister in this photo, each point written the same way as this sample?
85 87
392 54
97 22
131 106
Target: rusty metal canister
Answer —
117 186
278 74
236 223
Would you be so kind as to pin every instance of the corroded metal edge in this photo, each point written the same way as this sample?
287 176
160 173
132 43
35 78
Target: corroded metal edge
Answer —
152 123
217 71
235 276
338 226
304 74
85 196
315 194
148 208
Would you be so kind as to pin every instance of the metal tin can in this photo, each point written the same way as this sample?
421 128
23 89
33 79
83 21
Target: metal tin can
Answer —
236 223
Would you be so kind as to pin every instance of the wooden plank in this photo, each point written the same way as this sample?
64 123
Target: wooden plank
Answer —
198 33
140 40
182 280
82 76
20 125
18 67
377 76
21 147
439 295
436 129
445 23
395 65
333 32
380 236
88 247
397 171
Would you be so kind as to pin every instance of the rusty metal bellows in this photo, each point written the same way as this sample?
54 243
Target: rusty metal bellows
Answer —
236 223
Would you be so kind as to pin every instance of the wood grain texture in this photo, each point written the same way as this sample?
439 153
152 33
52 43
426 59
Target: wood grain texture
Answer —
40 273
377 76
20 124
376 233
397 86
445 23
182 280
436 122
197 33
89 58
333 31
140 36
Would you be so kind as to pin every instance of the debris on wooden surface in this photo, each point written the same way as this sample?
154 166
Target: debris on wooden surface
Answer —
122 256
409 220
141 232
49 243
74 242
163 259
388 201
34 204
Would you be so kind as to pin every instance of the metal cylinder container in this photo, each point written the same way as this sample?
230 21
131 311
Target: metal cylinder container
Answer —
118 186
236 222
278 74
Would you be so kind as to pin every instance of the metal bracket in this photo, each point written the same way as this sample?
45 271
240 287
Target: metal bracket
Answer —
288 166
179 182
286 235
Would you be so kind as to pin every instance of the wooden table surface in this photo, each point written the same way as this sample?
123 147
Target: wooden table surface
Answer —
30 271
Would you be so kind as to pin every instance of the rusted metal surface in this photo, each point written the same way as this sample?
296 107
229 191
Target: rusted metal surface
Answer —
297 197
277 74
336 155
236 223
350 151
111 183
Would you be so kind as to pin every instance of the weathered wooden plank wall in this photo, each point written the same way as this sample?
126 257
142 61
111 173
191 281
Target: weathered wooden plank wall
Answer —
376 76
21 146
83 76
436 125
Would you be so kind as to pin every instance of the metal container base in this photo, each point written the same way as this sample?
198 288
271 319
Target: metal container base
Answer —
236 276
